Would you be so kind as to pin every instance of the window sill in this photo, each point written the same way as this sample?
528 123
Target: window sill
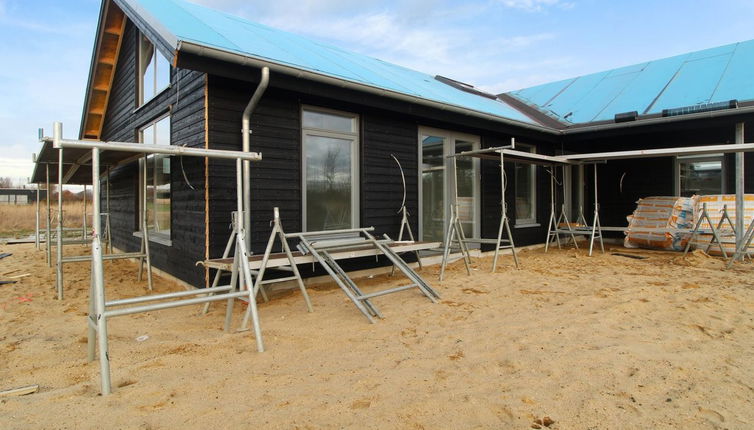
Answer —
157 238
146 102
528 225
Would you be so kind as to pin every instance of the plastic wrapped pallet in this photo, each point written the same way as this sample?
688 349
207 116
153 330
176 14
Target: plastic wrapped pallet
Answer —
660 212
715 204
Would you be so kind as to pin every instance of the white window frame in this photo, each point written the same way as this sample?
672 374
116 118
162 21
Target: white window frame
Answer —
528 222
449 145
355 151
154 236
140 81
695 158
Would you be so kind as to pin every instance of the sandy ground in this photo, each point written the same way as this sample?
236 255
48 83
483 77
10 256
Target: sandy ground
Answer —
590 342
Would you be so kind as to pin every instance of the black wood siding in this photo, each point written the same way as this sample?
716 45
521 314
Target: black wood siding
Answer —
276 180
185 101
651 176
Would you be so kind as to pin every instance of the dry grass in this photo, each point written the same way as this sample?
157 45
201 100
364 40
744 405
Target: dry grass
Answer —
18 220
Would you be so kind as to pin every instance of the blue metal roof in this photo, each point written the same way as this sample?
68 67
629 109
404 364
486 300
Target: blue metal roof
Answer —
177 20
708 76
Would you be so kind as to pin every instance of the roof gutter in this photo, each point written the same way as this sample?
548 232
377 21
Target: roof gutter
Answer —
660 120
249 61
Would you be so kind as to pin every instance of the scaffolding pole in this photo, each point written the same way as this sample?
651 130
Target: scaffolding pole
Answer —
58 131
98 306
740 209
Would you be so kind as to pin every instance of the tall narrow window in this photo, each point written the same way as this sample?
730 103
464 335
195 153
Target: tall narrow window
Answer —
330 175
156 173
699 175
438 180
433 186
526 190
154 71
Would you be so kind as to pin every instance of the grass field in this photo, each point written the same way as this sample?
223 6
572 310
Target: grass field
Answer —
18 220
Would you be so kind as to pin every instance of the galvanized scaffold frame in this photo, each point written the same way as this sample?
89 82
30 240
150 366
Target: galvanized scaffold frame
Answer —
739 147
455 232
554 225
100 310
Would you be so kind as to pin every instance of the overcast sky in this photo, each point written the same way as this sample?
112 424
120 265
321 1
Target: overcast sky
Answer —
498 45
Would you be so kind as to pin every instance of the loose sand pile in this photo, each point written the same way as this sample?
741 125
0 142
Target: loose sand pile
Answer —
588 342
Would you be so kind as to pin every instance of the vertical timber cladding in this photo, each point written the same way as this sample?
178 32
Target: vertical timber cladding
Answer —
276 180
623 182
381 186
185 100
490 194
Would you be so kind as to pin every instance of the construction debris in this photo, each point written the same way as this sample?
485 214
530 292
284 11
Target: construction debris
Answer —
20 391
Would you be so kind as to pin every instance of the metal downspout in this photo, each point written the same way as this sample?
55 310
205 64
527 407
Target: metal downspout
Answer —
245 132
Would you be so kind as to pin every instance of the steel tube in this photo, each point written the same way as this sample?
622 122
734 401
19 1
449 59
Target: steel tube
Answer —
740 185
58 134
168 305
49 228
36 221
156 297
81 258
158 149
384 292
245 147
99 280
329 232
471 153
662 152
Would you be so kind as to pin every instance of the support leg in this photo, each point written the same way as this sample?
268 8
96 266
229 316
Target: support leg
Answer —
59 249
48 234
231 301
513 246
296 273
218 273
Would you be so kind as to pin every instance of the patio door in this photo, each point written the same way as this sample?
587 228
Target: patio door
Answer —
437 179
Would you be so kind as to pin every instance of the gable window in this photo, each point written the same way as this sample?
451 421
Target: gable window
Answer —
156 172
699 175
526 190
154 71
330 169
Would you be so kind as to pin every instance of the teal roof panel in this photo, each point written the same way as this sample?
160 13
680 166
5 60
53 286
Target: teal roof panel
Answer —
189 22
711 75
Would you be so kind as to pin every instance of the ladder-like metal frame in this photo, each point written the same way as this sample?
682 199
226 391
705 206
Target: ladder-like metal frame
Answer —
554 230
704 216
320 243
456 236
143 255
260 282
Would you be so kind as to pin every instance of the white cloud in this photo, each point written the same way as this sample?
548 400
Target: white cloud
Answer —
536 5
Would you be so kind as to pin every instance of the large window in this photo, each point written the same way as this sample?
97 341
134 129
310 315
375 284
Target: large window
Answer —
154 71
330 175
437 187
699 175
156 173
526 190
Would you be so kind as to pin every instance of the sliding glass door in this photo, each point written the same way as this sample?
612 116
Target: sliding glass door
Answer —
437 179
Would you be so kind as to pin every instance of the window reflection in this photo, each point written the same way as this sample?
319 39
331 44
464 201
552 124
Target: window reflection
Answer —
157 176
330 147
700 177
